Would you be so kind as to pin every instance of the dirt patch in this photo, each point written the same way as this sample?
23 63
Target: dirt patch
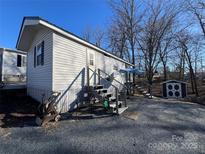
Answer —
4 132
17 109
131 115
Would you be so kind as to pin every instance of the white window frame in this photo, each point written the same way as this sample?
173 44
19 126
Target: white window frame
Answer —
91 59
22 62
38 63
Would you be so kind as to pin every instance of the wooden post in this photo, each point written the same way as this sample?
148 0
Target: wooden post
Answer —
88 85
116 93
125 97
99 76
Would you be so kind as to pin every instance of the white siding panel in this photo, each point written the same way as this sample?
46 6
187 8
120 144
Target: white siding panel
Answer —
40 77
107 64
10 64
69 64
69 70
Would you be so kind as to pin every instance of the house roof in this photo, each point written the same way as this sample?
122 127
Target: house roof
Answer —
12 50
35 20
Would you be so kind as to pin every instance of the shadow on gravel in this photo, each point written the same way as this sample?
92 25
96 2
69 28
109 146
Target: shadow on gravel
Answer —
17 109
86 113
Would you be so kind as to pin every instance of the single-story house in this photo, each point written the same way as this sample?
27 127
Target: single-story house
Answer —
59 60
12 65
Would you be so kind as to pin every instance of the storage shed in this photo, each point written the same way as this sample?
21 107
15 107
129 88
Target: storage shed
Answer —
174 89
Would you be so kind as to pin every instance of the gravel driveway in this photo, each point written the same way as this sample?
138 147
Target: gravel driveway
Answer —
161 126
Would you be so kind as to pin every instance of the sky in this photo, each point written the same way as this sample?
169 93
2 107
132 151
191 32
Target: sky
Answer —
72 15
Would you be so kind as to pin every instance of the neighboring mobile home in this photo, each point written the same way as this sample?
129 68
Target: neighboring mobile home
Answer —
58 61
12 65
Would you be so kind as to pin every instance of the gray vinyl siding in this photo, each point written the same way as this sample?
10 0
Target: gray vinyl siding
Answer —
10 64
69 62
69 70
107 64
9 71
40 77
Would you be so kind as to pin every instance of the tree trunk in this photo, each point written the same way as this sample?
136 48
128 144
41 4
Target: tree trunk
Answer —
165 71
192 76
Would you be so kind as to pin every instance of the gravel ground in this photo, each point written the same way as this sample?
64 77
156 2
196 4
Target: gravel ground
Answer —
162 126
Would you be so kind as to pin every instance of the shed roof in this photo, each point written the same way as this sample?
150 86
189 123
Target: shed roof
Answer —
35 20
174 81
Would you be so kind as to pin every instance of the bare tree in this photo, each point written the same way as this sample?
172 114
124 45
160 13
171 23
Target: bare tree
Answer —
197 7
159 22
118 41
126 14
98 36
166 47
188 45
87 34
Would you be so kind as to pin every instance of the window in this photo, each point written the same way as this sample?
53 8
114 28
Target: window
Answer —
91 57
18 60
39 54
21 61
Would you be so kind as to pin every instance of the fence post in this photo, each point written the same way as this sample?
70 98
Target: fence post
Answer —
116 93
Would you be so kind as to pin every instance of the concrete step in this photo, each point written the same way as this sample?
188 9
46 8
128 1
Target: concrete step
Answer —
120 110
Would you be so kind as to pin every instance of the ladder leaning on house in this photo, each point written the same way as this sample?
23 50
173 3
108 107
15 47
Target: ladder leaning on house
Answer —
116 101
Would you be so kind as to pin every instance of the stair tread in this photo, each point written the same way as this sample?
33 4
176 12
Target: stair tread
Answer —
98 86
113 105
101 90
106 94
112 98
122 109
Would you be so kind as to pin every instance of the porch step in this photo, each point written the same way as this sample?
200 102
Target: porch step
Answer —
99 91
144 92
98 87
112 99
113 105
108 94
121 110
148 95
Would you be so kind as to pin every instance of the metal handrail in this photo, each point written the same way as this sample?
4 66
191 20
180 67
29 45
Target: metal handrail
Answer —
124 90
116 89
102 78
113 78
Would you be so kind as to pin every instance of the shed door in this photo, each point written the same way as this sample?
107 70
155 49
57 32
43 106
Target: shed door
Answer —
174 90
92 65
